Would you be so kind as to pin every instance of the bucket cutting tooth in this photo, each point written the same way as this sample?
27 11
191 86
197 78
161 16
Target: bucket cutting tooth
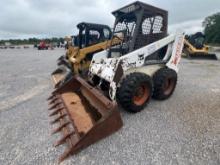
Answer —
63 139
66 153
56 111
53 100
58 118
55 105
51 97
60 127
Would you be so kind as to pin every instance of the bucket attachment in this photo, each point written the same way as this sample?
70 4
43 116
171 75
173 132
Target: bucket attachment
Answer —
61 76
62 71
58 75
84 115
203 56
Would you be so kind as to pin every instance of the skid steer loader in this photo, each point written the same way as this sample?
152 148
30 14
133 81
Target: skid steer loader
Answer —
194 47
91 39
144 64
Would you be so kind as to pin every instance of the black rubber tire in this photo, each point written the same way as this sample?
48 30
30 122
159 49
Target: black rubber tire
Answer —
159 79
128 87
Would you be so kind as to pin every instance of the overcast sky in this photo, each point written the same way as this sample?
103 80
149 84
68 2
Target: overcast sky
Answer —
48 18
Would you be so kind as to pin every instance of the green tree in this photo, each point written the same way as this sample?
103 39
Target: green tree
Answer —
211 26
31 41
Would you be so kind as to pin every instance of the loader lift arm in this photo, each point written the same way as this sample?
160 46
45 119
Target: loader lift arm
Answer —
92 38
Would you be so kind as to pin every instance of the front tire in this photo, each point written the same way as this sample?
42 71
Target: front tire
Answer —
165 80
135 92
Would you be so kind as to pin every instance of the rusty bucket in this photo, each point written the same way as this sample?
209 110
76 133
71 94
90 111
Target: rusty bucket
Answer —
84 115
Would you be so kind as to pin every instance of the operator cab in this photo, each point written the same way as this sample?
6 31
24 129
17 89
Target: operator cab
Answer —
197 40
138 25
91 34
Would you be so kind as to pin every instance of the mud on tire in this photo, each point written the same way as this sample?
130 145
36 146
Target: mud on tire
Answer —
135 92
165 80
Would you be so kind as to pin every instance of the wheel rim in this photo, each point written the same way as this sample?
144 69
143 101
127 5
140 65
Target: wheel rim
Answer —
168 86
141 95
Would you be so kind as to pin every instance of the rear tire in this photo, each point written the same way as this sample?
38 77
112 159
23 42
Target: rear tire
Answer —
165 80
135 92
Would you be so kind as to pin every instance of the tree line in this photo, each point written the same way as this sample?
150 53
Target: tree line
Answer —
33 41
211 26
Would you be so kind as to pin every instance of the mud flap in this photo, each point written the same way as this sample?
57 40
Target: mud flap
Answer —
84 115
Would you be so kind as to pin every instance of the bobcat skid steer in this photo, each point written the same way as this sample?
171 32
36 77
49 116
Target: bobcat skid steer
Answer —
144 64
194 47
91 39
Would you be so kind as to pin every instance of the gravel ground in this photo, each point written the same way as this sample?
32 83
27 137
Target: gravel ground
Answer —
184 129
